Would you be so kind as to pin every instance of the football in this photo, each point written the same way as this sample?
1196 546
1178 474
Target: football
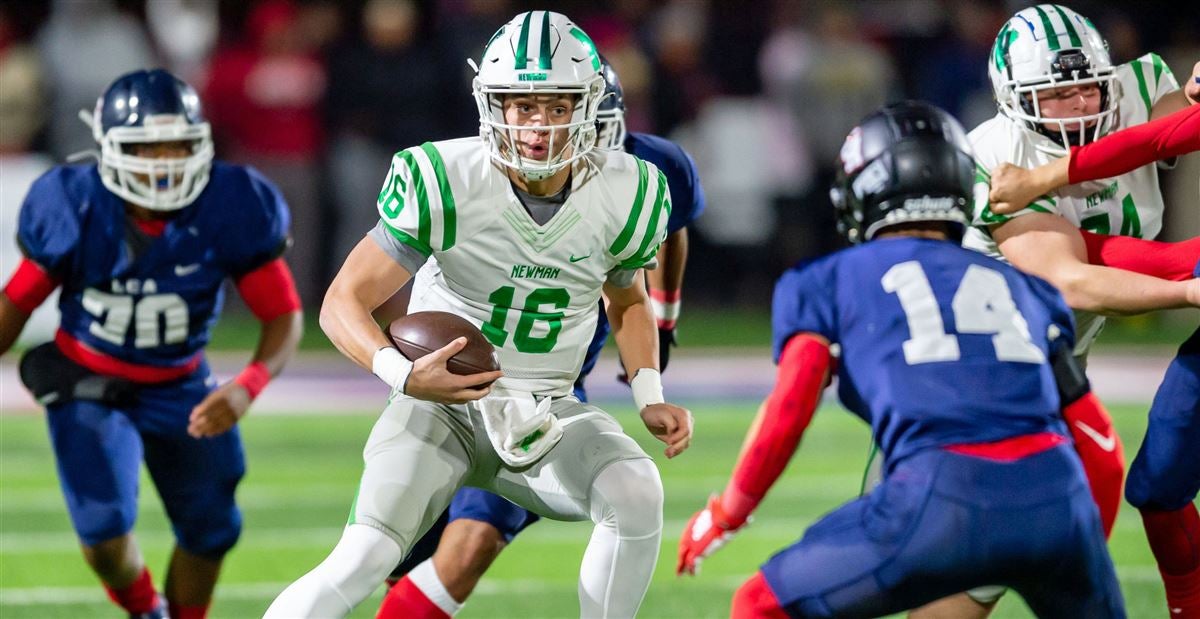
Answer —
421 333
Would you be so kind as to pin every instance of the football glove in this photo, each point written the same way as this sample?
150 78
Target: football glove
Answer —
707 531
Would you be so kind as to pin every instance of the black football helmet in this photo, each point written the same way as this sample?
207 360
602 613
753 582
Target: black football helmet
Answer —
908 162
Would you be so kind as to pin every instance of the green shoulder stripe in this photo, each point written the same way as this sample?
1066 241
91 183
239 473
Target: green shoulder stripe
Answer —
1159 67
652 226
449 214
1142 88
407 239
423 217
635 213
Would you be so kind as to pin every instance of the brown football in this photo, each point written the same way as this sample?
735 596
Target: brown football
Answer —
421 333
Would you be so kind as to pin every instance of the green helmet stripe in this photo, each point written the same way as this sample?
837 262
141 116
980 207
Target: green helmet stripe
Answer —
1004 41
424 224
449 215
523 43
1051 36
493 39
544 56
1071 33
587 42
1141 80
622 241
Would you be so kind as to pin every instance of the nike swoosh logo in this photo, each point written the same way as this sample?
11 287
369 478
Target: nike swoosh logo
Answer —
185 270
574 259
1107 443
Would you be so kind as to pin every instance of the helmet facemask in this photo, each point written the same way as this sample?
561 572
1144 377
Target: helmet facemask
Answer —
158 184
1073 69
500 135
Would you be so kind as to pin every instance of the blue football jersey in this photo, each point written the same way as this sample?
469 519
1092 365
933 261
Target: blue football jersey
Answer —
148 300
940 345
687 197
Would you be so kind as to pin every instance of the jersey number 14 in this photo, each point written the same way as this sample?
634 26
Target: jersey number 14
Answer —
983 304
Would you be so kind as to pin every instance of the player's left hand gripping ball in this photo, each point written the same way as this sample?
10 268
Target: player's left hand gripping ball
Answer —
707 531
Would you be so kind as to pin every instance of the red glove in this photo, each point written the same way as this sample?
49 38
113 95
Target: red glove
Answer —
707 531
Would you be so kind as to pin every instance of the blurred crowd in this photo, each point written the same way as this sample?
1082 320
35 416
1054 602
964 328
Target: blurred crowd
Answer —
317 94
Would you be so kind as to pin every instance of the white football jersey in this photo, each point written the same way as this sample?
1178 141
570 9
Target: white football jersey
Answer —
533 290
1128 205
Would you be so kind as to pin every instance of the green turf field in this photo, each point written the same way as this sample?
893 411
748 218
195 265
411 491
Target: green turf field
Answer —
302 476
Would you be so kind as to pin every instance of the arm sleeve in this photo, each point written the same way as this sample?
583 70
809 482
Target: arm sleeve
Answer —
803 368
1177 261
270 291
1132 148
646 223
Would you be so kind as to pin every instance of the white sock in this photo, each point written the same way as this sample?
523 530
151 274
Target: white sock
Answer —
425 577
360 562
626 505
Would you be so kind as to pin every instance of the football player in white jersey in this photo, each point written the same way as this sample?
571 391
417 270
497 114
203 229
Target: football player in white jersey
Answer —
528 224
1056 87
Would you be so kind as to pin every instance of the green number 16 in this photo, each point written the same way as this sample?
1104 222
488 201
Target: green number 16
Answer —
502 299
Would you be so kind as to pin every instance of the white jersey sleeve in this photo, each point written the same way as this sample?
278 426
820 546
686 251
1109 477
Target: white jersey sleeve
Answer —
416 204
646 226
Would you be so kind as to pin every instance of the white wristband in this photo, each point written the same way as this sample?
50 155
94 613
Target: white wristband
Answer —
647 388
666 312
391 367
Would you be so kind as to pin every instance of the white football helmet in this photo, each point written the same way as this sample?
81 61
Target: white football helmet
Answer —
1051 46
538 52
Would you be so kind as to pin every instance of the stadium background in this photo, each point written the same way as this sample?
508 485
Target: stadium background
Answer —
318 93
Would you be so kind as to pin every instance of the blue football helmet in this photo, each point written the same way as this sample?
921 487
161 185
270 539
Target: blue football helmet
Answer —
610 116
145 107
